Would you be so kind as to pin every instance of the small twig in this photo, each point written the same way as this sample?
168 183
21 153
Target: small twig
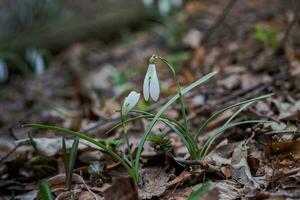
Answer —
2 160
289 29
203 164
219 20
289 173
258 114
283 132
236 97
87 187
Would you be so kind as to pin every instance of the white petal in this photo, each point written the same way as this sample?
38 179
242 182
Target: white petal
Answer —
148 2
3 71
133 99
130 102
154 86
164 7
147 81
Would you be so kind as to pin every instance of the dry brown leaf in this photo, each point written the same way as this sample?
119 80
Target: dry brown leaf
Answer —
198 57
194 7
178 194
228 190
286 147
87 195
155 181
226 171
179 180
240 170
60 180
121 189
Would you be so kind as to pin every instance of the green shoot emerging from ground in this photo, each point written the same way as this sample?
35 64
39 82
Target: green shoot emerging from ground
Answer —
160 142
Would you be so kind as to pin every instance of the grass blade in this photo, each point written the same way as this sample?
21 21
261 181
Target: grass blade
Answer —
65 156
219 131
200 191
160 112
216 114
32 142
44 191
182 133
84 137
238 112
72 159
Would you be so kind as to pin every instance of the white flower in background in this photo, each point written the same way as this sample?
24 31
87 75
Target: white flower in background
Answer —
148 2
164 7
130 102
176 3
36 60
3 71
151 84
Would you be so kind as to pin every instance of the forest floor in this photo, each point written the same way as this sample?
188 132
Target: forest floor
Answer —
252 46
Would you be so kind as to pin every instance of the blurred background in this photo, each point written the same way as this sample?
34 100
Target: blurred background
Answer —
63 59
70 63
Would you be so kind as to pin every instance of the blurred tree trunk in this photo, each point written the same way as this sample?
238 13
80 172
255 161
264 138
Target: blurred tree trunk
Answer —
76 23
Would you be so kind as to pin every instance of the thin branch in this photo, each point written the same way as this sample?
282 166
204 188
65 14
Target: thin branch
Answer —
219 20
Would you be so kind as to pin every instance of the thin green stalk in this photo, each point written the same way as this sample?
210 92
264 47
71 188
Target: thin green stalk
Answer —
219 131
160 112
183 109
238 112
65 157
216 114
44 191
126 136
71 162
89 139
189 142
197 194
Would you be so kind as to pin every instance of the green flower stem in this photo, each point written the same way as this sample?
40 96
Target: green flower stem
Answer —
126 136
109 151
157 116
221 130
183 110
216 114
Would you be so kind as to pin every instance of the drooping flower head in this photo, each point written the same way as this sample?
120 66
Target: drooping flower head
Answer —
151 83
130 102
3 71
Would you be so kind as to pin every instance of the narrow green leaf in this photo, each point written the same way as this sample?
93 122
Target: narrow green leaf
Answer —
219 131
72 159
65 156
186 138
238 112
84 137
200 191
32 142
216 114
44 191
161 111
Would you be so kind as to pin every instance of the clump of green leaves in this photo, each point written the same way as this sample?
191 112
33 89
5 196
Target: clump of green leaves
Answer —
266 36
131 161
160 142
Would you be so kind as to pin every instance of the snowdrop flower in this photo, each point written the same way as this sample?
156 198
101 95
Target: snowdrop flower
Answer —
3 71
148 3
130 102
36 60
164 7
151 84
176 3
